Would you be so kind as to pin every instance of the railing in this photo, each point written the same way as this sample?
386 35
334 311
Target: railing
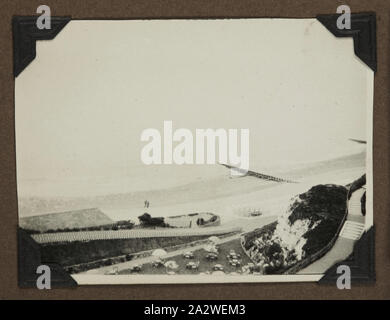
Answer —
47 238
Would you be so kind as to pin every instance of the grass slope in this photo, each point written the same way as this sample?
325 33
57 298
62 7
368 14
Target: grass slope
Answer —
63 220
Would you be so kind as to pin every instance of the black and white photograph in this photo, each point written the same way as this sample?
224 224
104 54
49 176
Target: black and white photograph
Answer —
194 151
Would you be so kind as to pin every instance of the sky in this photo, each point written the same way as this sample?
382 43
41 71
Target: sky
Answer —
82 104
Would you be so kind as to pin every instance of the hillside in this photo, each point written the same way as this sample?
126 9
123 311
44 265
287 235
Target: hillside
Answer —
62 220
307 226
323 207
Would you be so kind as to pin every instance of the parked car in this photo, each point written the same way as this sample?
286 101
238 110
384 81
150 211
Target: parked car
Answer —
188 255
136 268
192 265
112 271
158 263
233 255
218 267
235 262
212 256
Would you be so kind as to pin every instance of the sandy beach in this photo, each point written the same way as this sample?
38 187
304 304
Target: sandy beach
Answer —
230 198
233 198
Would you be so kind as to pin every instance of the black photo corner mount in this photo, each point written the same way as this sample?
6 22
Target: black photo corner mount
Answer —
363 32
25 33
361 262
29 258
